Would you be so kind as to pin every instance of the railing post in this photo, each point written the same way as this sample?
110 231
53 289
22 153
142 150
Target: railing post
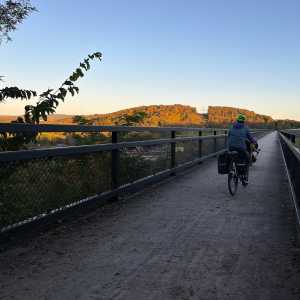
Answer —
215 141
200 144
293 138
115 163
173 152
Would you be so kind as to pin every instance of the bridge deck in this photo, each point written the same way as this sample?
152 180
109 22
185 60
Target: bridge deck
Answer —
184 239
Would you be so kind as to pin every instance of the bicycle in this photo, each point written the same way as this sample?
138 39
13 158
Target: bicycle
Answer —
238 171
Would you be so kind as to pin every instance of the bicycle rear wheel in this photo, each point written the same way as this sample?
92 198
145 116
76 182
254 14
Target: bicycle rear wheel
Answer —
245 177
233 180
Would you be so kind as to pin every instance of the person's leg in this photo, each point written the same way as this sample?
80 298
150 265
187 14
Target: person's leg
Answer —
245 155
246 158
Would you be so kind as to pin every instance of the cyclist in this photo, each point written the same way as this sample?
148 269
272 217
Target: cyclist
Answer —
238 136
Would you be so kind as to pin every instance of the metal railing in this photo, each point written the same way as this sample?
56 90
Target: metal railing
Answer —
47 184
291 136
291 156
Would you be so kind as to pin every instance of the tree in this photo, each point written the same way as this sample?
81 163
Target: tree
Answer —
132 120
86 138
12 13
47 103
81 120
49 100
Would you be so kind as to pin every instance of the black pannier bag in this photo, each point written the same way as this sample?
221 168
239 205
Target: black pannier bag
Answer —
223 163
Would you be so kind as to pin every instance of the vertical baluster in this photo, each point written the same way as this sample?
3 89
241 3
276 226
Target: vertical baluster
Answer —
115 163
173 151
200 144
225 139
215 141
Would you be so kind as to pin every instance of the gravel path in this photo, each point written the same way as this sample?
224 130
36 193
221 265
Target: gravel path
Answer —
183 239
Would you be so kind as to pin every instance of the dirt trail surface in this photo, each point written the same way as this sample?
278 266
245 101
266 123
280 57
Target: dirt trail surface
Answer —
183 239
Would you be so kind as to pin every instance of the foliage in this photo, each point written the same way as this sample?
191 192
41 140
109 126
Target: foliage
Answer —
220 115
34 187
16 93
12 13
87 138
287 124
49 100
131 120
153 115
47 103
179 115
81 120
175 115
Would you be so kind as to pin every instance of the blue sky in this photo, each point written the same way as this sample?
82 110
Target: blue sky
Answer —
198 53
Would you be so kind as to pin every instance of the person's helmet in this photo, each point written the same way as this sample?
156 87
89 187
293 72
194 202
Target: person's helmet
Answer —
241 118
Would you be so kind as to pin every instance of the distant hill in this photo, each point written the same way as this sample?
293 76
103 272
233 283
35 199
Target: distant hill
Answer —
53 119
175 115
7 119
156 115
223 115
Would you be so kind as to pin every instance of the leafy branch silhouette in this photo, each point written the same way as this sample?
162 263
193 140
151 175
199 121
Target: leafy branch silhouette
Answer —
46 105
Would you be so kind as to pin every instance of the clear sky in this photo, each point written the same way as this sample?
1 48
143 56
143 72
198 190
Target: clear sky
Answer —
243 53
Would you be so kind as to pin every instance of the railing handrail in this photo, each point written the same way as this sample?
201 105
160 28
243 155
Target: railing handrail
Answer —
86 149
14 128
291 146
291 129
292 171
290 136
295 133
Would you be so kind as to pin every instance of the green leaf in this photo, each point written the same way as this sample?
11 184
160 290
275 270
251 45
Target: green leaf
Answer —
45 94
82 65
79 72
63 92
68 82
98 55
71 90
87 63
